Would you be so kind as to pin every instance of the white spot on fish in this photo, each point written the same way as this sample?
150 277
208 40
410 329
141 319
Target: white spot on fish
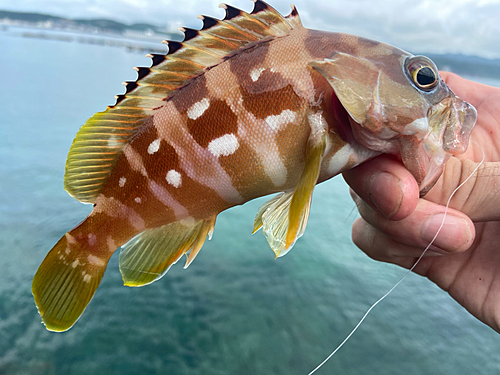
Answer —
339 160
95 260
197 109
135 160
111 243
75 264
113 142
276 170
154 146
275 122
255 74
87 278
164 197
92 239
70 239
188 221
122 182
224 146
138 200
67 251
174 178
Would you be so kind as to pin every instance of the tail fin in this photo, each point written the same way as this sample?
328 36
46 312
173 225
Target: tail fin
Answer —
65 283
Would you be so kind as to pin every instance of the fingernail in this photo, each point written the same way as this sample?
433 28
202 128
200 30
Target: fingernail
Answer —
453 234
385 193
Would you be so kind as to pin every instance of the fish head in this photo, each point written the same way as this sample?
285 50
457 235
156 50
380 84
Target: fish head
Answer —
398 104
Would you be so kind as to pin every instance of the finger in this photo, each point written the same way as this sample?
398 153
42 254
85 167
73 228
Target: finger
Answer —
381 247
478 198
386 185
450 232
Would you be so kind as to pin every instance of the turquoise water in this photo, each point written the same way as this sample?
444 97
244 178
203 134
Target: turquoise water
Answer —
235 310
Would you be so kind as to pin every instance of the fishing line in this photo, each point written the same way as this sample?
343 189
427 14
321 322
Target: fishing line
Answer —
408 271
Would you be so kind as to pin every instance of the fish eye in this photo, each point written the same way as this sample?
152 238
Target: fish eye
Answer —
425 78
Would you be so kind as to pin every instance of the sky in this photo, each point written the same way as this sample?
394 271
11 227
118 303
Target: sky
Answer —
470 27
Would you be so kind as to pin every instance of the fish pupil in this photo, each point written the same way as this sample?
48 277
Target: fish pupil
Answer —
425 77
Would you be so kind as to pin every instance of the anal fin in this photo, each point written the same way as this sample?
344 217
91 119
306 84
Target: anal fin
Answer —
149 255
284 218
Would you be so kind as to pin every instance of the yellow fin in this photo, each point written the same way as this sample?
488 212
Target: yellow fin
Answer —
102 138
206 229
284 217
272 217
65 283
302 195
95 150
149 255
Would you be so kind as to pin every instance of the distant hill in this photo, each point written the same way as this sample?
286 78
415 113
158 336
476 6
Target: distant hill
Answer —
89 24
28 17
471 65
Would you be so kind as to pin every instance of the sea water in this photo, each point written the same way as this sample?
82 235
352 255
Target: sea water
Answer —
235 310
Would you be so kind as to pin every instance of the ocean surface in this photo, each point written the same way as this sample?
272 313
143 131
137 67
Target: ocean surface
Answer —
235 310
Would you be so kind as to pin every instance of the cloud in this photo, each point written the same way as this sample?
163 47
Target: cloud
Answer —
441 26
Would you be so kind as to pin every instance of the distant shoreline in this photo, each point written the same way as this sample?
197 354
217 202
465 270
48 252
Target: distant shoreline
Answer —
46 21
150 42
133 43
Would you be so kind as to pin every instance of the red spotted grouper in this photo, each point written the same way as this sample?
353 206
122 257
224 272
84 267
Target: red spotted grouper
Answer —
250 105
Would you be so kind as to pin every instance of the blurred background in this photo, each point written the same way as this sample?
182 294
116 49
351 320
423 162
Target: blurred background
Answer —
235 310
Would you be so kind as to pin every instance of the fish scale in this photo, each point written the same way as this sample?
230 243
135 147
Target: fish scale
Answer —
250 105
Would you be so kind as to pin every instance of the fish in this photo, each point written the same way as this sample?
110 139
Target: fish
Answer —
247 106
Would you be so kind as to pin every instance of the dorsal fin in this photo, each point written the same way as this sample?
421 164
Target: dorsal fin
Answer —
102 138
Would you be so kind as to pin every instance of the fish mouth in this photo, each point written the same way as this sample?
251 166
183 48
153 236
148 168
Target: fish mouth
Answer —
425 145
450 123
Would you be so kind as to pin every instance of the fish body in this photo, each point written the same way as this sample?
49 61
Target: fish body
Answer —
247 106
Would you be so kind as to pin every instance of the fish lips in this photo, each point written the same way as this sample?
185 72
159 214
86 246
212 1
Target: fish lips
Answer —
461 118
450 124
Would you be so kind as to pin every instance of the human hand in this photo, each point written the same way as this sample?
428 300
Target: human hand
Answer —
395 225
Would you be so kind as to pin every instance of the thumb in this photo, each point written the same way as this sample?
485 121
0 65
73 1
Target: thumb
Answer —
479 197
385 185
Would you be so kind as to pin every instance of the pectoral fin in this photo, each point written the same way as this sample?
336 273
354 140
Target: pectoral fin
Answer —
149 255
284 218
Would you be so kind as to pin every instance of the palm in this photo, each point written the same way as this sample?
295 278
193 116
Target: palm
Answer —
472 277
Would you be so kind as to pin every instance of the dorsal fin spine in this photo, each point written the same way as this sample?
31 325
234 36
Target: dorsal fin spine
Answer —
173 46
259 6
130 86
142 72
231 12
208 22
189 33
157 59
